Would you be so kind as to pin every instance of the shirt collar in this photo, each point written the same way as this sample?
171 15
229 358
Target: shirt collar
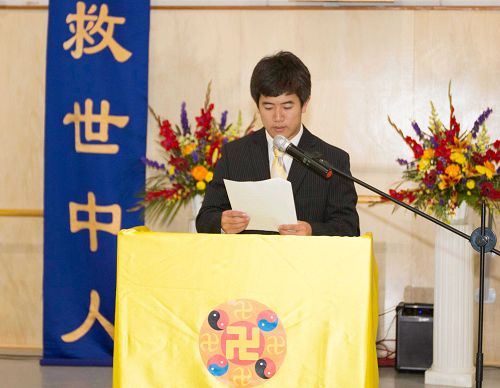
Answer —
295 140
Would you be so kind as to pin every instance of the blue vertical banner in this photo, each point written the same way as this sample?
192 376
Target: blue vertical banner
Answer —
95 135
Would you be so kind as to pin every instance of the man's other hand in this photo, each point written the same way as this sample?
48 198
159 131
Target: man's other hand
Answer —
301 228
234 221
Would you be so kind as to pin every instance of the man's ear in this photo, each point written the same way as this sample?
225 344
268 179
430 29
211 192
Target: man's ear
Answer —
305 104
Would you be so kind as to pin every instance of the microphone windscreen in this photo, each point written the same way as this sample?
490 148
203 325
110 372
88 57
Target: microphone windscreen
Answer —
281 142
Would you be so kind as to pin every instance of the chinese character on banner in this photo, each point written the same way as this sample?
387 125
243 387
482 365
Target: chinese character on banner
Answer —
92 224
84 26
88 117
93 315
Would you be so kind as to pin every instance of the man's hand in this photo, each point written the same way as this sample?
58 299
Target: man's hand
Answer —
234 221
301 228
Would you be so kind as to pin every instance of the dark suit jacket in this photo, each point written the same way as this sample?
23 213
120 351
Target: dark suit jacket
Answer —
328 205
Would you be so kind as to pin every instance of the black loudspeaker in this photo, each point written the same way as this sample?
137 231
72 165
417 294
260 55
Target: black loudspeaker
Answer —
414 336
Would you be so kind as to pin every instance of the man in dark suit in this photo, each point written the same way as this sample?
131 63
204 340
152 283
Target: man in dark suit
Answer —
281 88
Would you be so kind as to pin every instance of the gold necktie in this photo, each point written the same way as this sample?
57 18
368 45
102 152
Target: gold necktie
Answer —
278 167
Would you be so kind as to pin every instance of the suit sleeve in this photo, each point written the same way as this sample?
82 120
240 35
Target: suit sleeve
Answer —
340 215
216 200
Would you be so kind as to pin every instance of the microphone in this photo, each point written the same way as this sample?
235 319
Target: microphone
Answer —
319 167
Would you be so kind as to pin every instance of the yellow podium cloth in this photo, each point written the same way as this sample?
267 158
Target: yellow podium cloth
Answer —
323 291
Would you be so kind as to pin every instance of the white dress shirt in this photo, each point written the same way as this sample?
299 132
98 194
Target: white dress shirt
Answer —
287 159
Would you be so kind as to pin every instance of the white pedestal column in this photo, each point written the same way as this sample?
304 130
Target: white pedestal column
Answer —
195 208
453 326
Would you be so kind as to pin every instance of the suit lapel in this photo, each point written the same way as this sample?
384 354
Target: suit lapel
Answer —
260 155
298 171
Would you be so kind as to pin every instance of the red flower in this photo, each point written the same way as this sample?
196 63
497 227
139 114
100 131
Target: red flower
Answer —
153 195
443 150
179 163
396 195
450 136
402 195
215 146
478 158
496 144
454 126
489 191
205 119
492 155
440 166
430 178
170 141
417 149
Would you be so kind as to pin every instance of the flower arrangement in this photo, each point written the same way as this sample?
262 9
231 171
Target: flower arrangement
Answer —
190 154
450 166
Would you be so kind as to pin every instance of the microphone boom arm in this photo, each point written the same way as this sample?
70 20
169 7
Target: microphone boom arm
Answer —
473 238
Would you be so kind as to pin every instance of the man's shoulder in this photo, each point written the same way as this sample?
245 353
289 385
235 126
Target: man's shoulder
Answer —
327 148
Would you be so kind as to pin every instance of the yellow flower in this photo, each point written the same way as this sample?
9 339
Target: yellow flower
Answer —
458 157
171 170
423 164
201 185
187 150
199 172
488 169
215 156
453 171
469 193
209 176
470 184
428 153
442 185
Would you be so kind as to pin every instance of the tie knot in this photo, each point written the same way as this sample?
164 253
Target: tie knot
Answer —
277 152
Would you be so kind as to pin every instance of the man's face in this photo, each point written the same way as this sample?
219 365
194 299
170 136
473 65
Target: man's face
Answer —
282 115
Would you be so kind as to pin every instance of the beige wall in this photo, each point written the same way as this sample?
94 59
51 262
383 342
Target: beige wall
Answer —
365 65
22 96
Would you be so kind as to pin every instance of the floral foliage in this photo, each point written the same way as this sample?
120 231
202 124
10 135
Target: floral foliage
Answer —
189 155
450 166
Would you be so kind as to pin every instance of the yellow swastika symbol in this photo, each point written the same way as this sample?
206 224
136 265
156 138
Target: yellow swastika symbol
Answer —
275 345
244 311
209 342
242 343
241 377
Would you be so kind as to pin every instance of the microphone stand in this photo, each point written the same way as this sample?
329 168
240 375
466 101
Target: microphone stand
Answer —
482 239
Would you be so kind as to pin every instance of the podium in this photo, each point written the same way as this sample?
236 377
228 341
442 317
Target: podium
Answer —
199 310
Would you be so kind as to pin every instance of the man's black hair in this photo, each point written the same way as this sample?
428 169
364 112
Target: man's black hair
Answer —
282 73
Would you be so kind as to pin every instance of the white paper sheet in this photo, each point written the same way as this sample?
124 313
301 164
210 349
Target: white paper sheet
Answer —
268 203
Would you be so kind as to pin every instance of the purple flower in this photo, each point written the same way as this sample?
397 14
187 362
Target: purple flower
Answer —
402 162
223 119
417 129
480 121
195 156
184 120
498 171
434 142
225 140
441 202
152 163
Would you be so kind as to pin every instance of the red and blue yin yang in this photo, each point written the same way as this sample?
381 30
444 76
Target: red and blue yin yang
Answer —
267 320
218 365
